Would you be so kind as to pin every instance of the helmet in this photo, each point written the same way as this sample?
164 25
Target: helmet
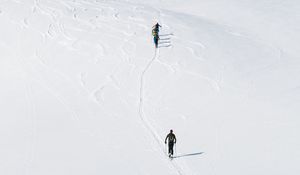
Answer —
171 131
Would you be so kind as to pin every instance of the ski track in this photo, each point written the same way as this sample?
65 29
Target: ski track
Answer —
145 121
74 115
32 112
147 124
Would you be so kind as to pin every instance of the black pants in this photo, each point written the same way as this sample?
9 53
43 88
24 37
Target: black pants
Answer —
171 145
156 41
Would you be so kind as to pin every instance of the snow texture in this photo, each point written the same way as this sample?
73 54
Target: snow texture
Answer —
84 90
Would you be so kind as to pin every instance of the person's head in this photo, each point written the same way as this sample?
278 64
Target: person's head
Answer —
171 131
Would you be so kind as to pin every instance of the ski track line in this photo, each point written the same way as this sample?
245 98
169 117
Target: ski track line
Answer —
49 89
32 113
147 124
73 113
61 100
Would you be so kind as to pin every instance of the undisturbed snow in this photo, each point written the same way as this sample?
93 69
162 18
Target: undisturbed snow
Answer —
84 91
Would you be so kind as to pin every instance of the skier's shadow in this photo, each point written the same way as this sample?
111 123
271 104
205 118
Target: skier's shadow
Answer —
166 34
186 155
165 39
160 46
164 42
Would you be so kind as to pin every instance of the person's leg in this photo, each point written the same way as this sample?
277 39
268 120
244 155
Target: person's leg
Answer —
171 145
156 41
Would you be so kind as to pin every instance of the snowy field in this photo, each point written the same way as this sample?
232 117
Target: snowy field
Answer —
83 91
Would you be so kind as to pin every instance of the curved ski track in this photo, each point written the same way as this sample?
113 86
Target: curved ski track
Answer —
147 124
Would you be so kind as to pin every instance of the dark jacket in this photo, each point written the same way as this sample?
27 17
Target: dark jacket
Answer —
156 27
171 138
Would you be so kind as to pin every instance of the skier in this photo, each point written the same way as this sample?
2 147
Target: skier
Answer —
156 28
171 141
155 33
156 39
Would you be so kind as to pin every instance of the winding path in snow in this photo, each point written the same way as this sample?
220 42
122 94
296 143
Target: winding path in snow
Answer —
147 124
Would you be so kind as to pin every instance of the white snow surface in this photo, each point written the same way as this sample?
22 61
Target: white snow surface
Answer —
84 92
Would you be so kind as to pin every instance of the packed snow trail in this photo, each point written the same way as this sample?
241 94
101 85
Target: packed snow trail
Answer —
144 119
147 124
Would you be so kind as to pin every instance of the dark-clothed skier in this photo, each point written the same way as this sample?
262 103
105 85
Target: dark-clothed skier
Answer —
155 33
171 141
155 39
156 28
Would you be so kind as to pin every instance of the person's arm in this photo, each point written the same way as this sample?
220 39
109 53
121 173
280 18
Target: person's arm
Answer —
166 139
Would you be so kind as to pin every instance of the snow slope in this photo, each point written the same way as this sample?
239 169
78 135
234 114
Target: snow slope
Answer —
84 91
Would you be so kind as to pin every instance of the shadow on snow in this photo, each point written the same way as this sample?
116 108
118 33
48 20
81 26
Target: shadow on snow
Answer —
168 34
165 42
186 155
160 46
163 39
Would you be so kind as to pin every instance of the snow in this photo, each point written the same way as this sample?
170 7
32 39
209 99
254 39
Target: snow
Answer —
84 91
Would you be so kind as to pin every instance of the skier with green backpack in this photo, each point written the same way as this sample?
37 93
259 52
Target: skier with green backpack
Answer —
155 33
